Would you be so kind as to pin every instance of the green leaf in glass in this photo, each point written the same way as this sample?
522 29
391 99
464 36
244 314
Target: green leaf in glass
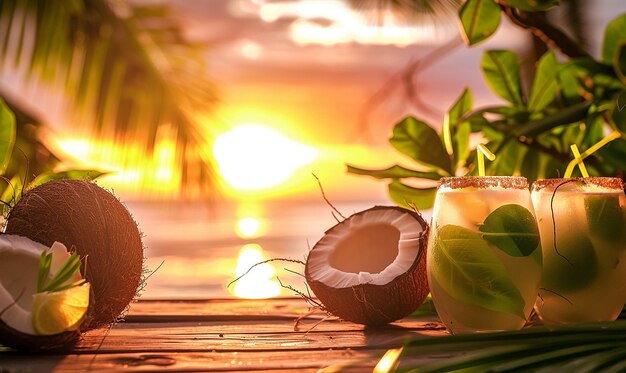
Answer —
512 229
7 135
614 35
502 72
479 20
533 5
605 217
469 271
545 83
407 196
420 141
574 267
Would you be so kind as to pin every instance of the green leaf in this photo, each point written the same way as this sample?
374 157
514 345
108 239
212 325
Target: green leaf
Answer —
460 130
533 5
502 72
60 280
394 172
574 266
420 141
614 35
468 270
406 196
618 115
7 135
45 261
570 86
619 61
480 19
545 85
68 174
512 229
508 159
531 166
571 114
12 193
605 217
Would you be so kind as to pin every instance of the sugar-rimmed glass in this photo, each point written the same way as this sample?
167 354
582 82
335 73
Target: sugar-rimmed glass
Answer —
582 222
484 257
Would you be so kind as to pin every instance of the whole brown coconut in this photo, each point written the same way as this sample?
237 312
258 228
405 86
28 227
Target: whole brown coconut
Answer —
92 221
371 268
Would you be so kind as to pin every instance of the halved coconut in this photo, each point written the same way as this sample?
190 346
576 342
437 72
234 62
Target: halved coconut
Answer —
371 268
92 221
19 267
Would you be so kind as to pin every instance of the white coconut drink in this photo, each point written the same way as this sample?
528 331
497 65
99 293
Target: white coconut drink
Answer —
43 298
371 268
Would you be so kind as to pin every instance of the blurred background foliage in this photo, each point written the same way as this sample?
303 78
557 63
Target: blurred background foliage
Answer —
127 69
570 97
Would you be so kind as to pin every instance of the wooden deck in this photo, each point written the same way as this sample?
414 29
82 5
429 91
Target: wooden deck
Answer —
225 335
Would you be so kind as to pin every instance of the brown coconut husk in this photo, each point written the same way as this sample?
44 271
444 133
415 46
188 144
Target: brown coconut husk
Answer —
92 221
374 305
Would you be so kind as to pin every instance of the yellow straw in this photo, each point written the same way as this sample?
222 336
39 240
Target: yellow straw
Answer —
482 153
447 135
570 167
389 361
579 160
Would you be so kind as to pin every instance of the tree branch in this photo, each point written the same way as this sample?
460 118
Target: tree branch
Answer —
554 37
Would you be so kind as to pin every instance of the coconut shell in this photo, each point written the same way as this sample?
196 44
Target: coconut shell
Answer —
37 343
62 342
373 305
88 219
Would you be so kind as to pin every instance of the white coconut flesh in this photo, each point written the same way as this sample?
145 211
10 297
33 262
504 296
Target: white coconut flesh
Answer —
373 247
19 267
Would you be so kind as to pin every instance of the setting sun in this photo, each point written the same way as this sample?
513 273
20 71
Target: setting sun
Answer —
252 157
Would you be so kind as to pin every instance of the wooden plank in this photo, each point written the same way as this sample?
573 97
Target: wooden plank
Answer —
189 339
302 361
277 326
222 309
226 335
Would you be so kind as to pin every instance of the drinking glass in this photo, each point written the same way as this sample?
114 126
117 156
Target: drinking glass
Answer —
484 255
582 222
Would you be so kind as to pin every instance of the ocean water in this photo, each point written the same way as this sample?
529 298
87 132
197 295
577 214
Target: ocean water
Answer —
192 249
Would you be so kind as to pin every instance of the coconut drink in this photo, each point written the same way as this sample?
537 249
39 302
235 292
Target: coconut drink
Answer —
484 255
583 234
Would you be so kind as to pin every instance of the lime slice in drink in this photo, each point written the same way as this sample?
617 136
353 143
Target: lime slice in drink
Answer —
60 311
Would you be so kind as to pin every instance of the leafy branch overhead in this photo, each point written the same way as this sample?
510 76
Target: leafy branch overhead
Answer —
128 69
573 99
16 180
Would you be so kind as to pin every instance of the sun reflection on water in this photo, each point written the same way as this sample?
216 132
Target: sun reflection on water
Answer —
259 282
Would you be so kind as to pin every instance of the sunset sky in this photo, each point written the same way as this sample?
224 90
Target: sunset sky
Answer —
311 69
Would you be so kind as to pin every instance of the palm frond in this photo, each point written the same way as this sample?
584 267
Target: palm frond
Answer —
128 69
416 12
